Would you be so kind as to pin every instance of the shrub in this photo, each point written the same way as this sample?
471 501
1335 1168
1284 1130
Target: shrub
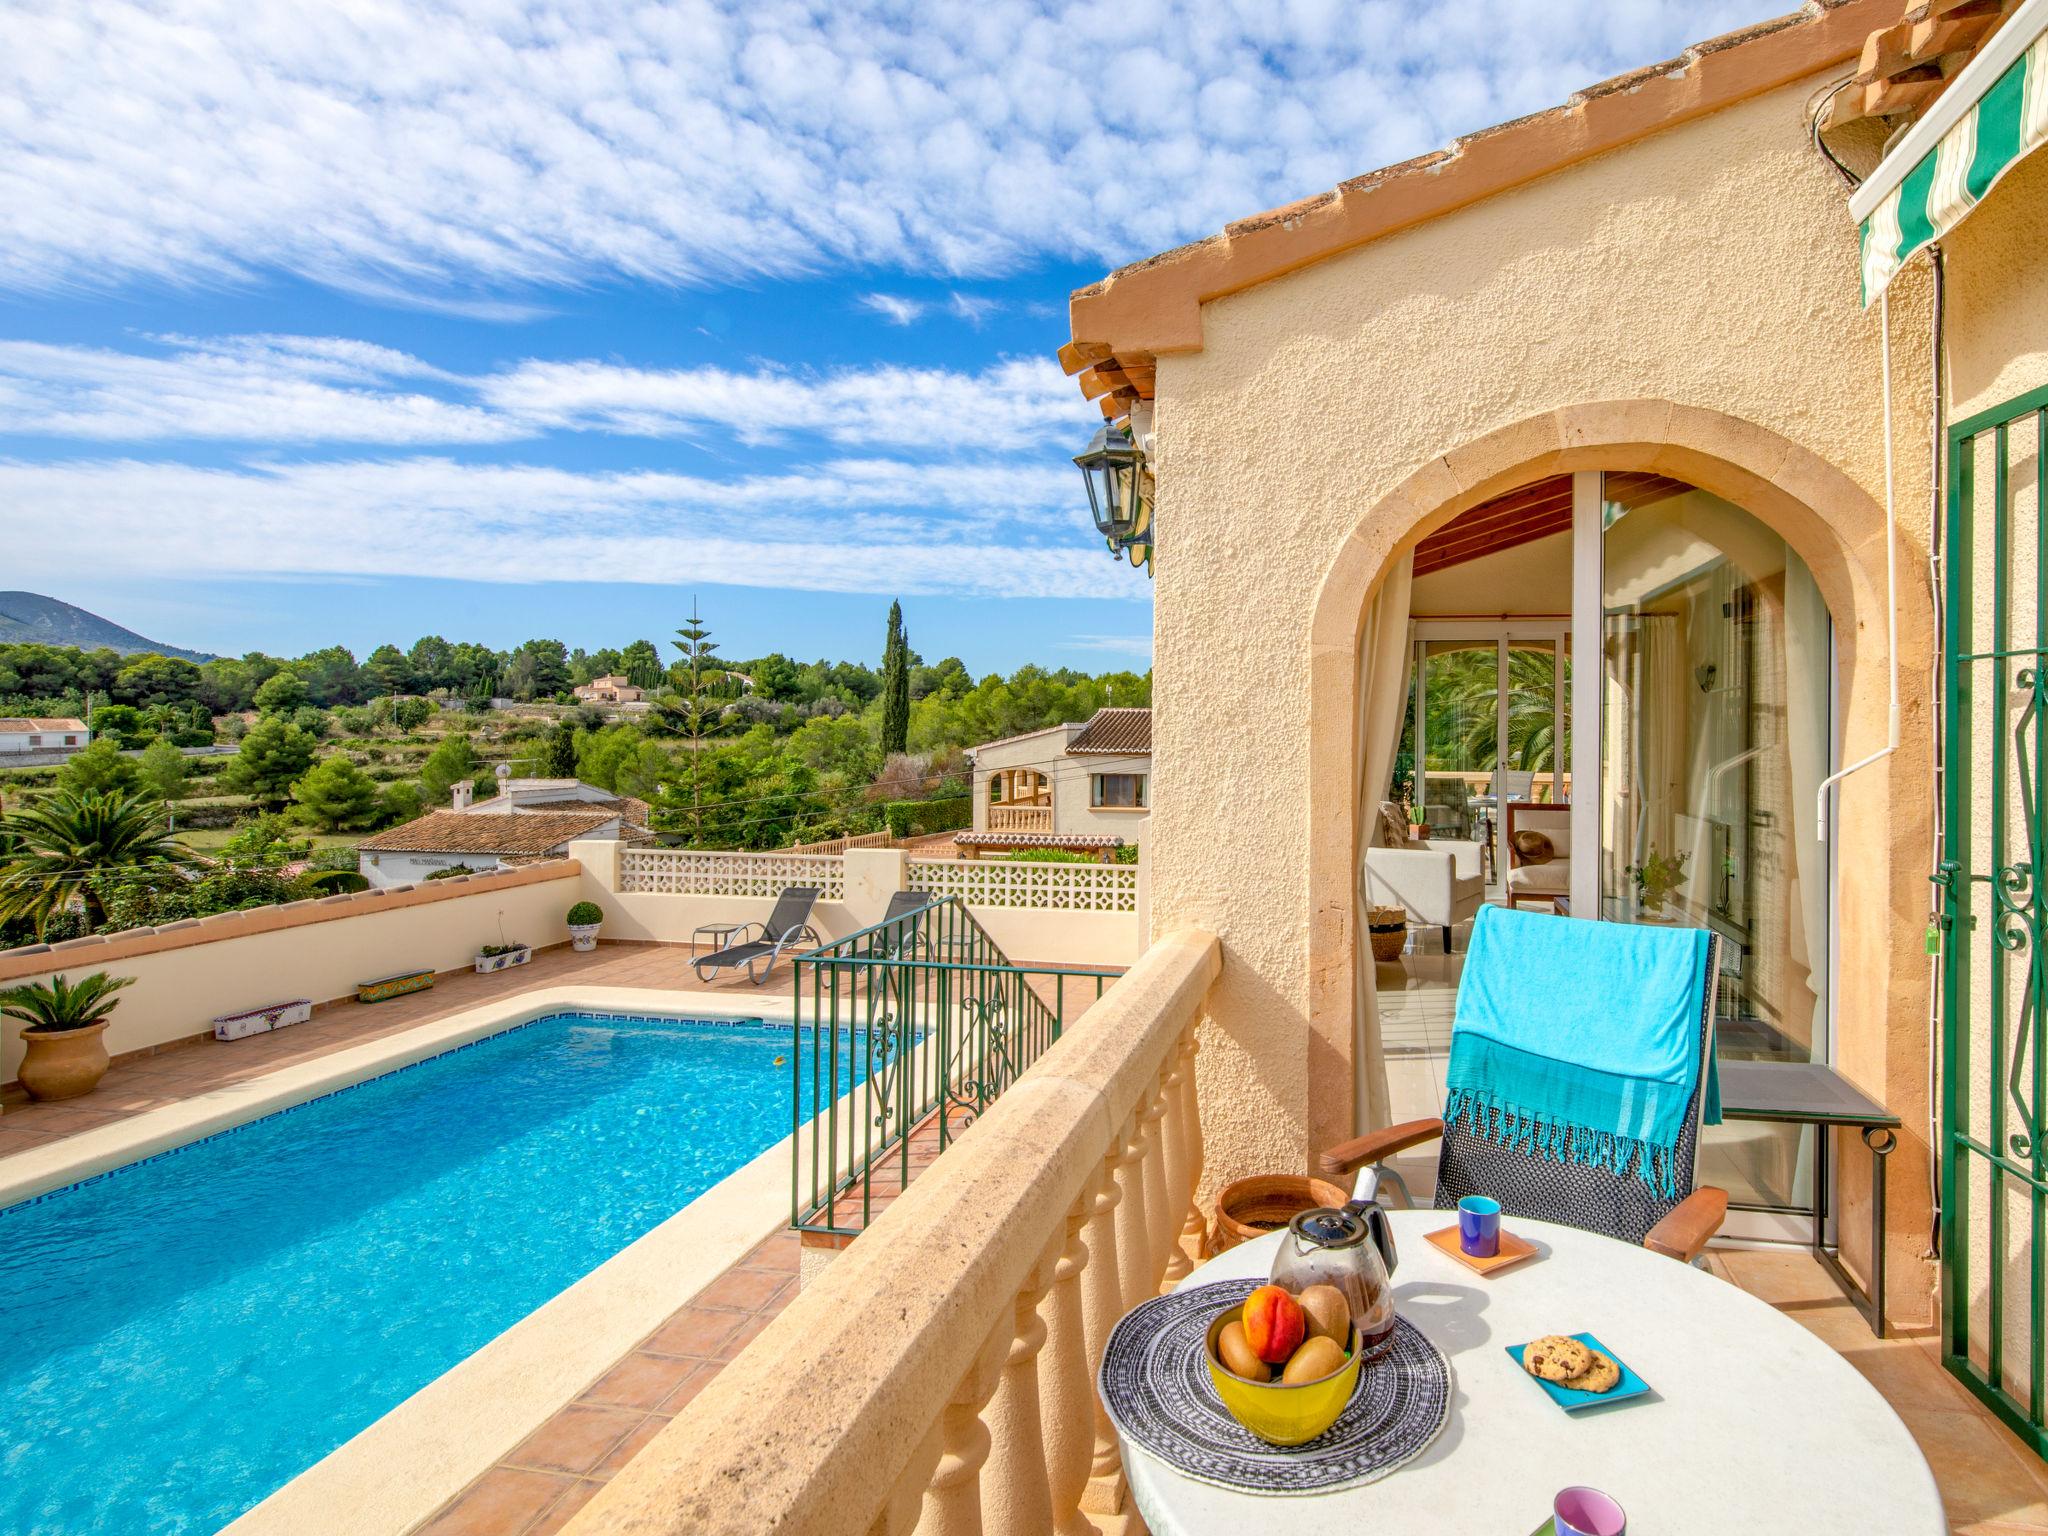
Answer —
584 913
1049 856
452 872
329 882
914 818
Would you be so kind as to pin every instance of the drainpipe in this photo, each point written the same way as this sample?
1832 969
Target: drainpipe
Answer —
1891 583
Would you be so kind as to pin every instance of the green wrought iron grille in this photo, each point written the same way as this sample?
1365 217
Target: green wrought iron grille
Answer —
936 1021
1993 884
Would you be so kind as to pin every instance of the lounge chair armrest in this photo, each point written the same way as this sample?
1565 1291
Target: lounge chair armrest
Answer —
1688 1225
1376 1146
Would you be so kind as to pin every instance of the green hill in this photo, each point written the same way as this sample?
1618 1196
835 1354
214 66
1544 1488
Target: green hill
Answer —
29 618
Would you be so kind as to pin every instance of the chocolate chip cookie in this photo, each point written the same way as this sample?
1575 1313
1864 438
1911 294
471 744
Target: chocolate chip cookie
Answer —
1556 1358
1602 1375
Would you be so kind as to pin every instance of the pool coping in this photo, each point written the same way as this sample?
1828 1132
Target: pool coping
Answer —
398 1470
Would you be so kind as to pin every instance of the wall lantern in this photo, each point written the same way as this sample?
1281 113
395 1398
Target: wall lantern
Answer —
1118 493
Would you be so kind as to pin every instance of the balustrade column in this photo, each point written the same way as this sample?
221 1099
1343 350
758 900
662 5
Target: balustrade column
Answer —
1178 1181
1162 1215
1136 1271
899 1515
1067 1385
1102 1305
952 1502
1194 1232
1016 1496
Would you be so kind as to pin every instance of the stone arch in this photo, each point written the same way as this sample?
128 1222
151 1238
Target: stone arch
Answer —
1833 523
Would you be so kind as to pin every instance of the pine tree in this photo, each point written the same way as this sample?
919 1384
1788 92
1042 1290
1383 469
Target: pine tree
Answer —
337 795
561 757
896 685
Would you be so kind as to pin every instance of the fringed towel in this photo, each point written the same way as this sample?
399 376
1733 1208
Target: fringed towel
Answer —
1580 1041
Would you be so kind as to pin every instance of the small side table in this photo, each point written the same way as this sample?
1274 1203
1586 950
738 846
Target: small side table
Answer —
1809 1093
721 935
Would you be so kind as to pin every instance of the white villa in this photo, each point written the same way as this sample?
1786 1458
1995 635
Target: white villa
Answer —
1084 781
36 733
526 821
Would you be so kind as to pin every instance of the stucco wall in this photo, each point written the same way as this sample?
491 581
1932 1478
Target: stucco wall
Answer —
1997 320
187 975
1045 751
1338 413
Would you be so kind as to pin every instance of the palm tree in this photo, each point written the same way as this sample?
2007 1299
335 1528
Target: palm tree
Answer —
62 842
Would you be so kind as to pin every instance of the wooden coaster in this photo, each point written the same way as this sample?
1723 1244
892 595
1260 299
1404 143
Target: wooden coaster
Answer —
1513 1250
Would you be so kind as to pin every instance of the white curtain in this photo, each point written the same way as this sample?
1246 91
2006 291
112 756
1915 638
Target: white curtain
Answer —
1386 655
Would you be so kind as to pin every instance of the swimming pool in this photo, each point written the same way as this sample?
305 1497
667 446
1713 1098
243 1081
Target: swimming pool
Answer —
189 1333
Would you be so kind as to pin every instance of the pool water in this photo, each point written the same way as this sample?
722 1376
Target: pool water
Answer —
185 1335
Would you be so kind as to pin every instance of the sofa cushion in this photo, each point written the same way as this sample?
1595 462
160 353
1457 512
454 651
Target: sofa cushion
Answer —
1554 878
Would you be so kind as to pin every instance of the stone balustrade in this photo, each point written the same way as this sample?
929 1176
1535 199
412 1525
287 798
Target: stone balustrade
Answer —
938 1377
1020 818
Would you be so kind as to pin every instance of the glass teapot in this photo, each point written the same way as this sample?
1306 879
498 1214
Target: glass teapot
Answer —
1351 1249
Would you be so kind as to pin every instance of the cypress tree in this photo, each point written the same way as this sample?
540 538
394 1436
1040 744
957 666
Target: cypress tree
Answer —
896 685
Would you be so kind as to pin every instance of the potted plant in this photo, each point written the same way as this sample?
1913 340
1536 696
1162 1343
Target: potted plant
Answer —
1656 878
63 1024
501 957
584 920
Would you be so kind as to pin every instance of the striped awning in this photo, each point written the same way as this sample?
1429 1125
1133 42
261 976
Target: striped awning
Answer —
1994 112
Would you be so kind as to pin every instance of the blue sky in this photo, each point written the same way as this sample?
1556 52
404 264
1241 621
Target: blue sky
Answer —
511 319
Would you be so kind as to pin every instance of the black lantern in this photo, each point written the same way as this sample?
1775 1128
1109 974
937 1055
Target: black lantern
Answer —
1114 470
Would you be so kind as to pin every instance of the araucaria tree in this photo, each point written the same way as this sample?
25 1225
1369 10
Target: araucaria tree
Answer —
697 713
895 685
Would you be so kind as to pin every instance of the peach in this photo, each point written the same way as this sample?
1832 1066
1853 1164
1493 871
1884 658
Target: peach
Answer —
1274 1324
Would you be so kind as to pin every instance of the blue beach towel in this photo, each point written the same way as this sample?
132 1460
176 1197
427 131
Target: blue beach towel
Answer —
1580 1041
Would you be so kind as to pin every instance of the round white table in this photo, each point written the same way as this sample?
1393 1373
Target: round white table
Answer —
1751 1423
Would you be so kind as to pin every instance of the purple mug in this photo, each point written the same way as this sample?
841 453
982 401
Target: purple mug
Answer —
1587 1512
1479 1226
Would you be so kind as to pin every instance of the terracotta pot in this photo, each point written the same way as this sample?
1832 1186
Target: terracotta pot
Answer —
64 1064
1253 1207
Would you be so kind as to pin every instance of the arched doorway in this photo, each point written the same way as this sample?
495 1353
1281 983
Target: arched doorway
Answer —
1832 533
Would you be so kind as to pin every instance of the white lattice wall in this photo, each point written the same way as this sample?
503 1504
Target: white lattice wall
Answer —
685 872
1056 887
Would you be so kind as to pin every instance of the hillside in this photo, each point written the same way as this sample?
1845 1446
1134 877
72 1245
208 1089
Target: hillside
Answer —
29 618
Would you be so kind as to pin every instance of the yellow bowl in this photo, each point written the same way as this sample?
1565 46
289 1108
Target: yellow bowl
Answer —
1277 1413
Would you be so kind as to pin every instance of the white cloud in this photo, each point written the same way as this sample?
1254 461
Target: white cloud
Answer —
980 530
1116 645
453 154
307 389
973 308
893 308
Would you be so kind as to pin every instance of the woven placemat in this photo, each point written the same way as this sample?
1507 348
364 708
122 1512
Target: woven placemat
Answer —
1155 1385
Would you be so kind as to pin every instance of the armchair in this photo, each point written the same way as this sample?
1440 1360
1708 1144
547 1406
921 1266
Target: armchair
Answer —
1439 881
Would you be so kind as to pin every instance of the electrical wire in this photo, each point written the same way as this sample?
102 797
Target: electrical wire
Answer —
1821 144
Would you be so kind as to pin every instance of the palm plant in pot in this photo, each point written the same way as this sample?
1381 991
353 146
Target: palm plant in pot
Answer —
584 920
63 1023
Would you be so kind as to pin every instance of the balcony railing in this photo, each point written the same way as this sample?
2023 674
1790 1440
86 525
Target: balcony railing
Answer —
907 1031
938 1374
1020 818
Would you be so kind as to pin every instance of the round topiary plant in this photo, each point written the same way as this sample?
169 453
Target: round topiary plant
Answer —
584 913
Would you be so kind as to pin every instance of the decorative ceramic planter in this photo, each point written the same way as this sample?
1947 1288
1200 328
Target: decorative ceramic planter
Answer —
583 936
63 1064
485 964
393 986
257 1021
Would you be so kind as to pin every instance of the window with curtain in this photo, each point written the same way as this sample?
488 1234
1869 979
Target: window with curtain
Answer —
1117 791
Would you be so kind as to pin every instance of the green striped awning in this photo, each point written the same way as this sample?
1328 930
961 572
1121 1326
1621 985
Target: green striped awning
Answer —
1993 133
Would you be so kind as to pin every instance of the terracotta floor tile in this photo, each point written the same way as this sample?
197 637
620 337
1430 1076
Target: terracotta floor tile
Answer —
1980 1477
692 1384
693 1332
640 1381
575 1439
743 1290
578 1494
742 1336
635 1441
500 1503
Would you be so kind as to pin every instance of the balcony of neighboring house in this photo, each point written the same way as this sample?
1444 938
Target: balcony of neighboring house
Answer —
1019 800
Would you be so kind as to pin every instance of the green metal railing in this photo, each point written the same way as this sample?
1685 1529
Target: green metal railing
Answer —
1993 881
905 1032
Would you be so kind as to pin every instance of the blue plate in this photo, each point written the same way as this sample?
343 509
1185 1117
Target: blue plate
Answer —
1630 1385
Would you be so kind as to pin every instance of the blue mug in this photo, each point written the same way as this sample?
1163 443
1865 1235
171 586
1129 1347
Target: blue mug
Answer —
1479 1226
